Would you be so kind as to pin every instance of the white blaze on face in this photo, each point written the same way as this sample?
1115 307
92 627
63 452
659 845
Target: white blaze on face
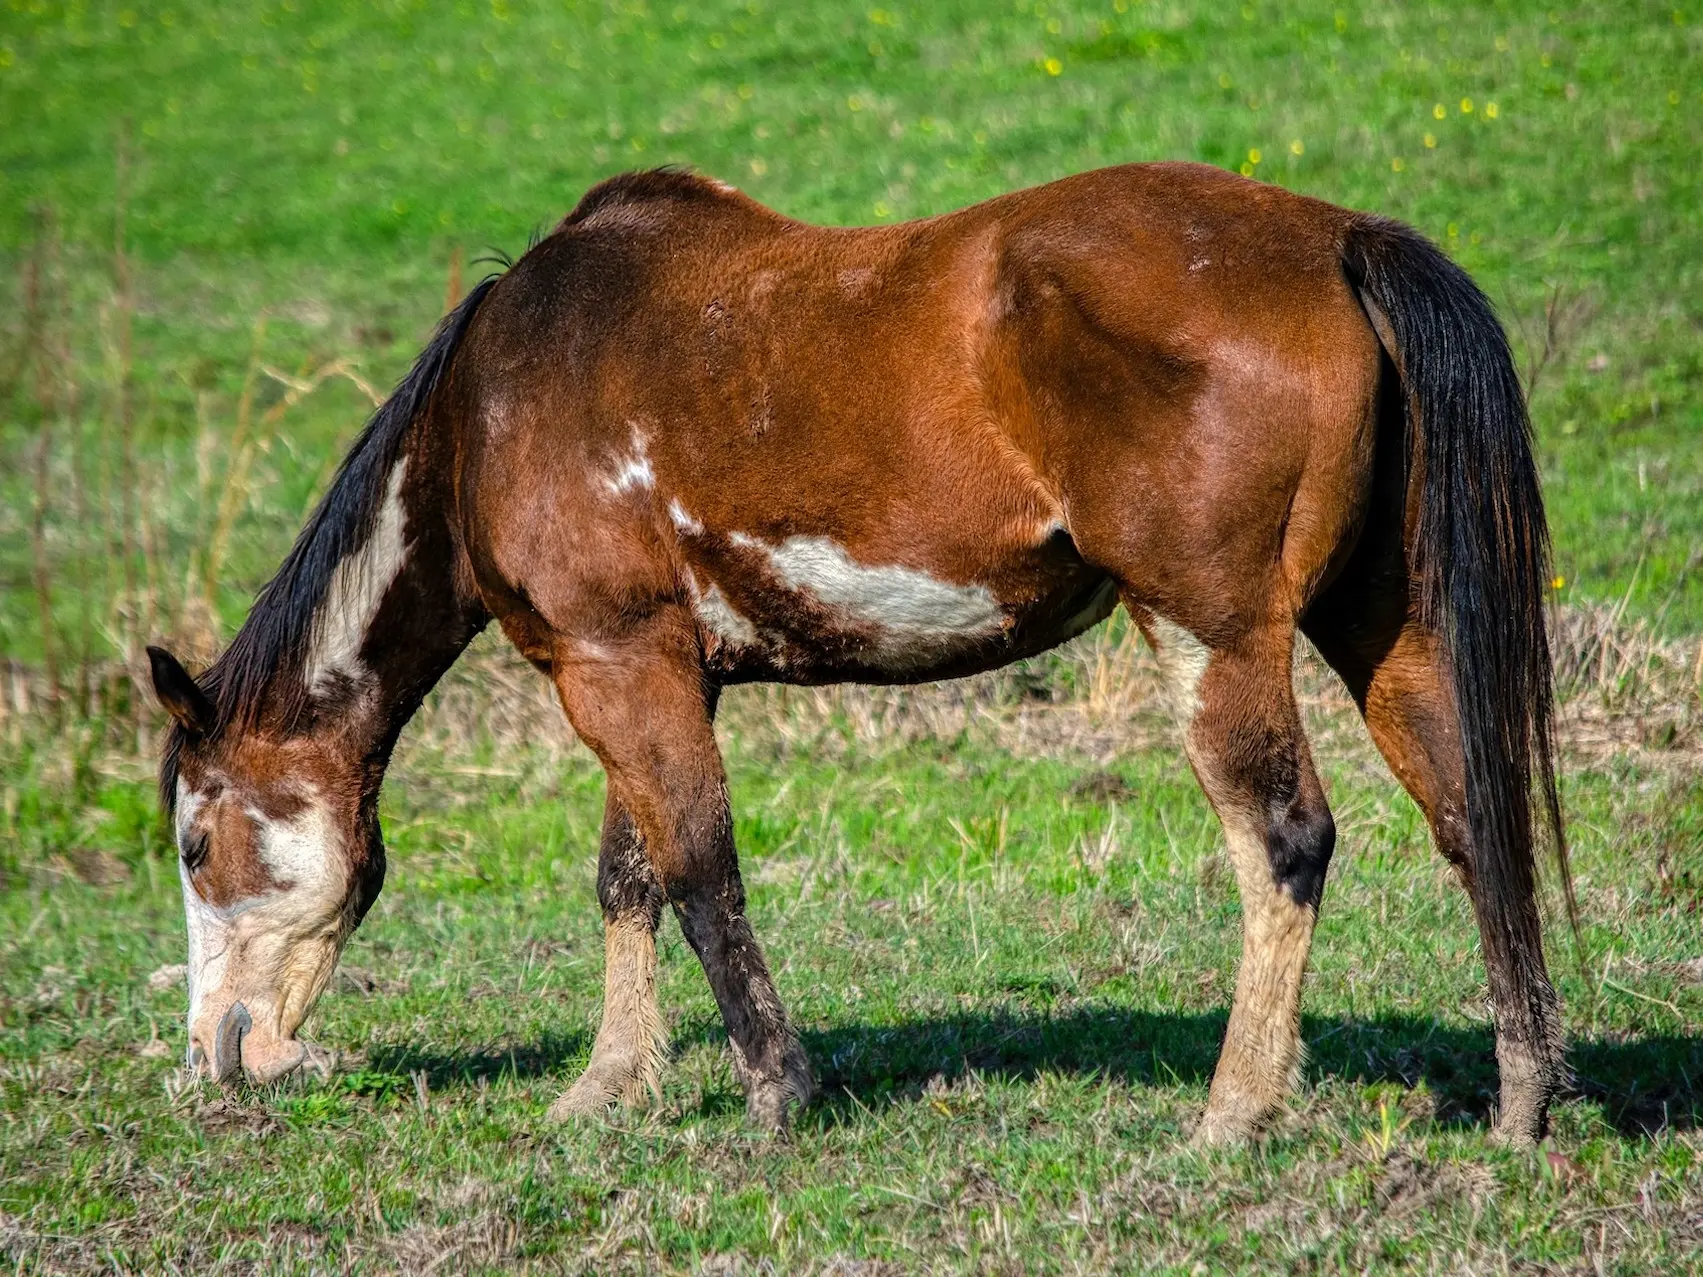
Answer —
918 615
271 951
306 851
1182 660
209 928
358 586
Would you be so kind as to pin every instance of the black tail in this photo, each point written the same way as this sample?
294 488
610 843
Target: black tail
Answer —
1482 562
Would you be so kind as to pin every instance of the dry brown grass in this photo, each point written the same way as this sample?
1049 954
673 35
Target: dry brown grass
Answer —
1624 691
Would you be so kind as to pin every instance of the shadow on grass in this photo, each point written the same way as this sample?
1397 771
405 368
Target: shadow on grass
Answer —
1643 1084
446 1070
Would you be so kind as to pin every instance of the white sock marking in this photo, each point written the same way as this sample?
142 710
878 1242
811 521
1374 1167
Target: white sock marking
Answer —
1182 660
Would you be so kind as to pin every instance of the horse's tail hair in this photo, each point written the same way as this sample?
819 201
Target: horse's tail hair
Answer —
1481 562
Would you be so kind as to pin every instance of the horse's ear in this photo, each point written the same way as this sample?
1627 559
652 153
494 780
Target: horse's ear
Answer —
180 694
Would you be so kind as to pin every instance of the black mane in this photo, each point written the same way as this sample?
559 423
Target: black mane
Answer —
263 665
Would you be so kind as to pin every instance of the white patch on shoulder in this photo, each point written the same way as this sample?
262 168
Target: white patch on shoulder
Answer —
1182 660
634 473
919 615
678 516
358 586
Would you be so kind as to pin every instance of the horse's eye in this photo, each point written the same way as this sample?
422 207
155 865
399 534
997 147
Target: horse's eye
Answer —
195 852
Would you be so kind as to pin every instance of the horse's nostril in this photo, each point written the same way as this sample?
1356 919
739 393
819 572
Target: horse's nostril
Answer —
197 1057
227 1042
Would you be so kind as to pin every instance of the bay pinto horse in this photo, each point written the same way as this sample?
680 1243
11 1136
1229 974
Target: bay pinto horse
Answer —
687 442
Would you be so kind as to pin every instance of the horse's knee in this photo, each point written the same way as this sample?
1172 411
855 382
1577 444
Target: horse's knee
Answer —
1300 837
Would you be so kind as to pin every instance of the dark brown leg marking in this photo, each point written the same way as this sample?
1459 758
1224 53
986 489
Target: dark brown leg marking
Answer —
644 709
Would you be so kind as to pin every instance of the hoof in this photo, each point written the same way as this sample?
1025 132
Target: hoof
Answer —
1516 1132
608 1082
1225 1130
770 1102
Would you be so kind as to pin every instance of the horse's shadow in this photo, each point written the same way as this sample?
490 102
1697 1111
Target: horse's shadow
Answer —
1644 1085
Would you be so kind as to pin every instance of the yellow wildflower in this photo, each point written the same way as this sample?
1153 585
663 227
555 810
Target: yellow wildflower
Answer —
1295 147
1254 155
1053 66
1439 111
1466 106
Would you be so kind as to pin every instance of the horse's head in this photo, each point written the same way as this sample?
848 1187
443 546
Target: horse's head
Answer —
279 857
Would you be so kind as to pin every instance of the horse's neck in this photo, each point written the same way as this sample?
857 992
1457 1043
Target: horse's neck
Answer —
395 617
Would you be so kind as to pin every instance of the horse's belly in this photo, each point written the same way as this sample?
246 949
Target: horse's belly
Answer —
805 610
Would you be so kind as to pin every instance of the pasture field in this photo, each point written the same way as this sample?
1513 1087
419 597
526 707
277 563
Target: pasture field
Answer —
1010 963
1000 910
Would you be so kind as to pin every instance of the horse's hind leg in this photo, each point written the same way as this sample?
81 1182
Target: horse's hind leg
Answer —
626 1059
1396 671
640 702
1244 739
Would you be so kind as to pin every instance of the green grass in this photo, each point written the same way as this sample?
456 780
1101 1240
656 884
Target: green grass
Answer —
1013 1016
1013 994
323 161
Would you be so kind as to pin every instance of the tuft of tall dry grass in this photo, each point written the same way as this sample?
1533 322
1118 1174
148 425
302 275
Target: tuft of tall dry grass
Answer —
104 512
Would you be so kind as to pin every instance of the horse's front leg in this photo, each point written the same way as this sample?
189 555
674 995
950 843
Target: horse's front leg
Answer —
626 1060
640 701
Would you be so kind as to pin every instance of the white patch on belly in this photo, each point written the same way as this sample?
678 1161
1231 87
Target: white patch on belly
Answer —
358 586
1182 660
633 474
919 615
